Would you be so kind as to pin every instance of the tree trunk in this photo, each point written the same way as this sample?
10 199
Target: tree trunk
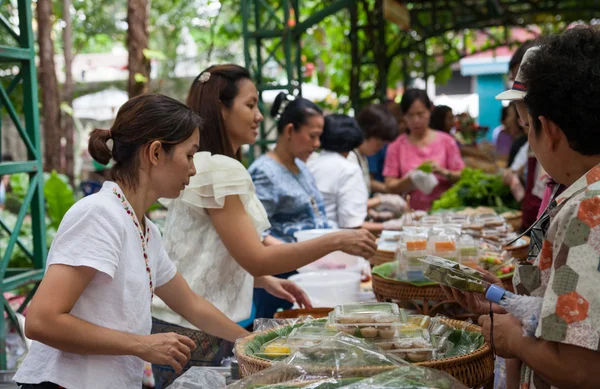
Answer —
137 41
48 88
69 87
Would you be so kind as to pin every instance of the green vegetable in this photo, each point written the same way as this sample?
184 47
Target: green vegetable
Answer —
426 167
476 188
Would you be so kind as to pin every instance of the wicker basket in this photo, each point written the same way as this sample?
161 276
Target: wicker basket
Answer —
519 252
381 257
419 297
474 369
316 313
514 219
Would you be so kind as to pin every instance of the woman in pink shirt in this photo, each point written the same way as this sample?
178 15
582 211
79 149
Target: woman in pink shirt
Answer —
421 144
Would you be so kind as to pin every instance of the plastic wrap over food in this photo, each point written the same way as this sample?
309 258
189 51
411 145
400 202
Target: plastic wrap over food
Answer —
199 378
332 360
409 377
261 325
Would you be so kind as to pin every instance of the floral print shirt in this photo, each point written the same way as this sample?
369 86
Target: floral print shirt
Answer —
566 272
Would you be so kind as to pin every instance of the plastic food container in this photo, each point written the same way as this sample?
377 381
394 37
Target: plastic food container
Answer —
492 221
443 246
468 251
413 346
410 265
276 349
421 321
369 320
454 275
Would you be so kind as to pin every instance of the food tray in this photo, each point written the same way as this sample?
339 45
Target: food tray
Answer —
454 275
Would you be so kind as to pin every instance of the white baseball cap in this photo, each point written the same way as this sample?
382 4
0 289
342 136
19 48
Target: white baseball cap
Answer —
518 89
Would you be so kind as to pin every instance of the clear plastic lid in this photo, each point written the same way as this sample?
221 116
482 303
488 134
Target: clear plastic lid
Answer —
366 309
369 320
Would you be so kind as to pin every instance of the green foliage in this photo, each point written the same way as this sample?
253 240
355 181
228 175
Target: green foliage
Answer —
59 198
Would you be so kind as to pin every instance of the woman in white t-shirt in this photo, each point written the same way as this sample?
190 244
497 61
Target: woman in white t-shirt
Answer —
214 230
91 316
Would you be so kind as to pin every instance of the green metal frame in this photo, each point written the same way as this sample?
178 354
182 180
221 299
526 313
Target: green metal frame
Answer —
274 29
268 35
23 54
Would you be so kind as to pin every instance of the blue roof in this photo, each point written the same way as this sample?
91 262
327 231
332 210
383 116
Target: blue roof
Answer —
485 65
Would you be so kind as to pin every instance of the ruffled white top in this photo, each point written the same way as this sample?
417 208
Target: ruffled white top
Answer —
194 245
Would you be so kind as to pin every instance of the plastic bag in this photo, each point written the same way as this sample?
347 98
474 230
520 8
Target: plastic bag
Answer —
409 377
261 325
199 378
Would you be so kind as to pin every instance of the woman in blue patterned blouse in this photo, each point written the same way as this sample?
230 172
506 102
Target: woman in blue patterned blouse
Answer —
285 186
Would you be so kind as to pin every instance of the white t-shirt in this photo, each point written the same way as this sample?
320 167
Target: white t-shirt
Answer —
194 244
99 233
362 161
342 185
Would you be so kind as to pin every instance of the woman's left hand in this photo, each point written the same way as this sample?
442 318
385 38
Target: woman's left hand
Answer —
287 290
508 333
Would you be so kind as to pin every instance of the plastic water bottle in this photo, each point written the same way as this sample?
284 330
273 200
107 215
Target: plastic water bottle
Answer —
527 309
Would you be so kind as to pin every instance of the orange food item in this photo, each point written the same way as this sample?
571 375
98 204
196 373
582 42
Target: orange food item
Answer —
416 245
445 246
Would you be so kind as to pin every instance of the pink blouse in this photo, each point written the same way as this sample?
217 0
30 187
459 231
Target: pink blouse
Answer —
402 157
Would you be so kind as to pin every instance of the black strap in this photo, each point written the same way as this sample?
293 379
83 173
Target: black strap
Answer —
492 332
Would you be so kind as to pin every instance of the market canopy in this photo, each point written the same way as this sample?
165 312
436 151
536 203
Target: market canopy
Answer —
389 40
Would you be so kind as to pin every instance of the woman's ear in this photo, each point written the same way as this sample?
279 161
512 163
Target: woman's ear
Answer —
155 150
288 130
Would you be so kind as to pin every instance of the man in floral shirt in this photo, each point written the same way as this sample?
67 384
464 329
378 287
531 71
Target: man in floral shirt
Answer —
562 83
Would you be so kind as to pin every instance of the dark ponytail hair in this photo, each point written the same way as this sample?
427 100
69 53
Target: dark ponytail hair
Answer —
296 111
219 84
139 122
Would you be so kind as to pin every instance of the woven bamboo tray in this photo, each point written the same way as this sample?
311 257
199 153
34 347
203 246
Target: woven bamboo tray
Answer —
316 313
417 297
515 219
520 252
474 369
381 257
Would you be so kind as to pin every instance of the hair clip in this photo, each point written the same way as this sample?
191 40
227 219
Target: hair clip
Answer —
204 77
288 99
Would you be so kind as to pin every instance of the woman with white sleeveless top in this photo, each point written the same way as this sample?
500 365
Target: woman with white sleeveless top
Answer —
214 228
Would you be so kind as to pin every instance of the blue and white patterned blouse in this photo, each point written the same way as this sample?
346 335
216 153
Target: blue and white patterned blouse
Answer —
287 198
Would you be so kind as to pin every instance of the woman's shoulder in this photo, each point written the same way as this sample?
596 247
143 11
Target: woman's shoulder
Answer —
205 161
265 165
102 209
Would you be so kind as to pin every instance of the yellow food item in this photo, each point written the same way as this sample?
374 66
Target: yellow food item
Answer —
277 350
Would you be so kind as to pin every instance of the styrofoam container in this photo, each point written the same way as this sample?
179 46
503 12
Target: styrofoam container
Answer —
329 288
337 260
